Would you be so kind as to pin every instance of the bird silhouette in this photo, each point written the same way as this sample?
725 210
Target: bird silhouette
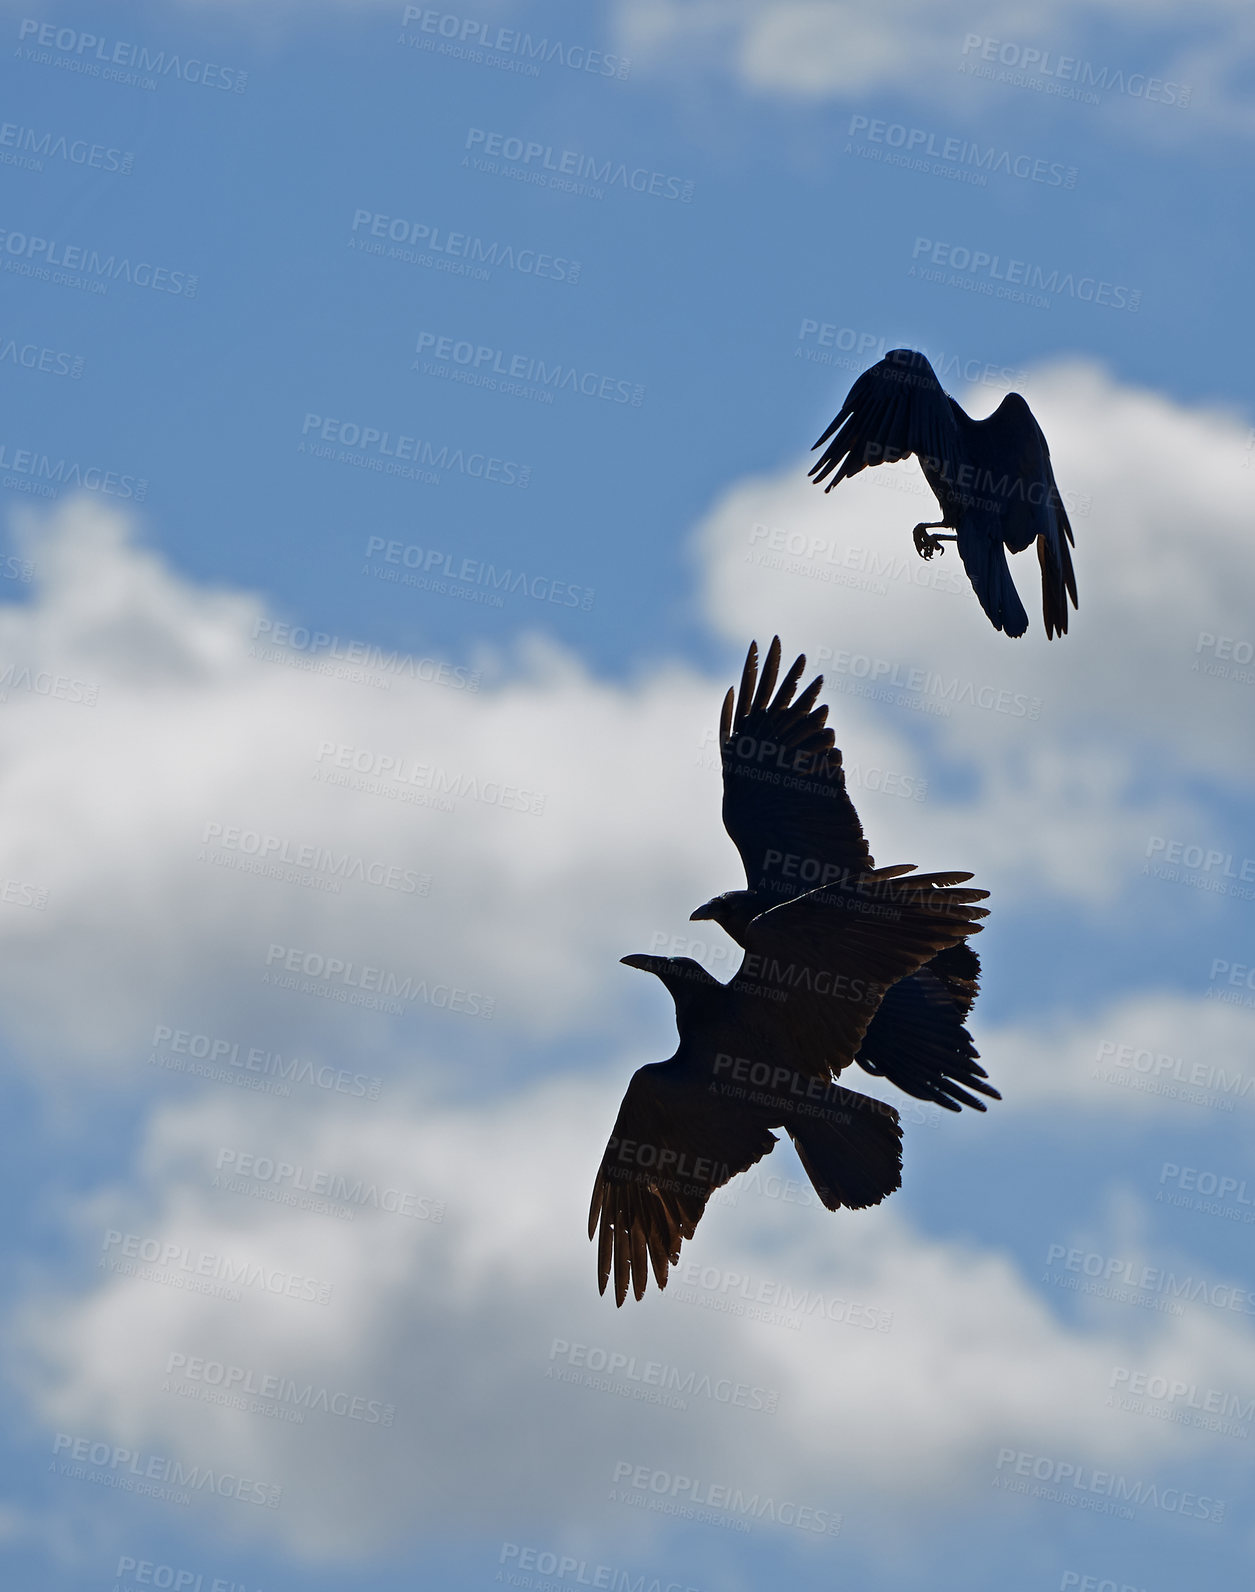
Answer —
992 478
787 810
764 1050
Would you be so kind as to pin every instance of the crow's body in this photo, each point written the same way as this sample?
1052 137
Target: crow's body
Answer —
790 816
992 478
764 1050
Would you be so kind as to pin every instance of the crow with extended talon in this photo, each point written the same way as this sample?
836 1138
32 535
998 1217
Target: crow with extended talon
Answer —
993 479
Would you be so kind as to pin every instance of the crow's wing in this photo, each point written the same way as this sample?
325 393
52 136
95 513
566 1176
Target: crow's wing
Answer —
1011 467
958 967
918 1042
816 968
894 409
674 1142
785 803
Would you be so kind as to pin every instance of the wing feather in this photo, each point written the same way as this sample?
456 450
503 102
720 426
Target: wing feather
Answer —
785 803
1012 469
674 1143
817 968
894 409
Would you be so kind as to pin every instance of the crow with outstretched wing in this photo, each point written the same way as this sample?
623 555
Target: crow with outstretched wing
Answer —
992 478
764 1051
786 807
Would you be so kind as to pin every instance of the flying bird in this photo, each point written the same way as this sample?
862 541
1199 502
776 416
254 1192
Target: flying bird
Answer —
991 477
764 1050
787 810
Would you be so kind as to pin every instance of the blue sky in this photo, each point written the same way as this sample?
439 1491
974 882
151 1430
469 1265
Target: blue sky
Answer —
254 635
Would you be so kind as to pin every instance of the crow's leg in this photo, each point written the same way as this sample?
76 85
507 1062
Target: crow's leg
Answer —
926 545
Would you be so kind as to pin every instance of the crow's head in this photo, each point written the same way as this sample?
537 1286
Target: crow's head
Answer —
732 911
684 977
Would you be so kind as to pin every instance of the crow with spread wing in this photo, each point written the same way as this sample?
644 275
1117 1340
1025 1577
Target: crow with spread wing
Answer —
992 478
763 1051
787 810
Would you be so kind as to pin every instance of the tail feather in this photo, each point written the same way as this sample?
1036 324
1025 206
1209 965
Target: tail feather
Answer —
985 561
852 1152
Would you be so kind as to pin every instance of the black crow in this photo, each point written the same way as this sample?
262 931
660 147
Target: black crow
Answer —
787 810
991 477
763 1051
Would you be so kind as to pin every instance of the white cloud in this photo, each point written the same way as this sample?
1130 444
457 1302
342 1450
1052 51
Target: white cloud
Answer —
455 1324
810 50
108 807
1144 1056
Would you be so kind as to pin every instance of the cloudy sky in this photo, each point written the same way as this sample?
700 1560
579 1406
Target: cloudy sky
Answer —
406 427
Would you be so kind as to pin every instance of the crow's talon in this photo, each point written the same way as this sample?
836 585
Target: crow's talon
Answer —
926 545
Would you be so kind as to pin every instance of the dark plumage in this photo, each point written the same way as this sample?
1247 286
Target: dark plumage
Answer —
764 1050
992 478
787 810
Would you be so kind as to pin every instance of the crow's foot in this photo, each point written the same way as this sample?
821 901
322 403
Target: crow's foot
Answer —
926 545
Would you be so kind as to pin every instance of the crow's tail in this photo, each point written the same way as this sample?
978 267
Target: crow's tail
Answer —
851 1148
985 560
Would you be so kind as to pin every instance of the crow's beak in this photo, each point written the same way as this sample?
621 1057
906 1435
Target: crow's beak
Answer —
640 960
703 914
